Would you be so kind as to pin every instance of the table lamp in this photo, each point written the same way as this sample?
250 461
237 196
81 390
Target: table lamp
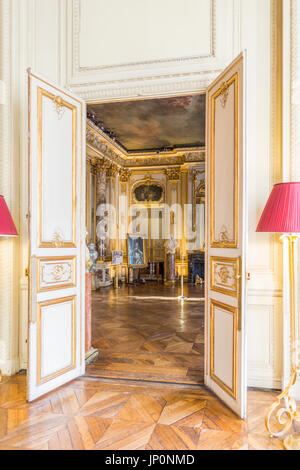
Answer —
7 226
282 215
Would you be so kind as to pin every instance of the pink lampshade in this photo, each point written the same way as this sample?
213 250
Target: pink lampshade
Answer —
282 211
7 226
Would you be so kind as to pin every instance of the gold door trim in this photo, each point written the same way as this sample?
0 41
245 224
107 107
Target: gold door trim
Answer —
223 91
57 261
233 311
59 102
41 380
220 287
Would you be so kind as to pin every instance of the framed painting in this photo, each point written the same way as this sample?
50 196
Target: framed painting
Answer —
148 192
136 251
116 257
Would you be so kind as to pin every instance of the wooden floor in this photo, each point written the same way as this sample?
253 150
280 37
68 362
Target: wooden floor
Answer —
145 339
101 414
144 333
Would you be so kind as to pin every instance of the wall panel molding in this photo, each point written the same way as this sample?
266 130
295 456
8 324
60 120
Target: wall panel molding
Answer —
77 68
265 360
136 79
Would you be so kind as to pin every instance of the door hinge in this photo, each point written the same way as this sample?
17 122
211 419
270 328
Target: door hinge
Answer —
27 272
248 276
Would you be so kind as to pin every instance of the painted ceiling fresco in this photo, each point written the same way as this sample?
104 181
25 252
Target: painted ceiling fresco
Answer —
155 124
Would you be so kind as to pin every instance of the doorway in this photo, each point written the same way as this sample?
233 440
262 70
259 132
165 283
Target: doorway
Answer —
157 199
57 302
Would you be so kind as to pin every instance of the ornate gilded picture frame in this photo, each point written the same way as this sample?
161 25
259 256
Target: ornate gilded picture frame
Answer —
148 192
136 249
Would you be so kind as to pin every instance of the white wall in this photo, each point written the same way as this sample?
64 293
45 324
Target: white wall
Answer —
100 63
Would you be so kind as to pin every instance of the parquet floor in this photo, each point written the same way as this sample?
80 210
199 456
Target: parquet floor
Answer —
144 333
102 414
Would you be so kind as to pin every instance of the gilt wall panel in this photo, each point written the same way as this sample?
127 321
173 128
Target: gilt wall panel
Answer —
57 201
57 351
224 167
224 272
156 25
146 51
223 323
56 273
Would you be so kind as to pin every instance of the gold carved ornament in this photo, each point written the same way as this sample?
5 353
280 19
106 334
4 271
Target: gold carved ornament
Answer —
57 272
57 240
224 274
59 106
224 93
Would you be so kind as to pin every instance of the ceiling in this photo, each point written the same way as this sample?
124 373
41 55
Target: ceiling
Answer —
154 124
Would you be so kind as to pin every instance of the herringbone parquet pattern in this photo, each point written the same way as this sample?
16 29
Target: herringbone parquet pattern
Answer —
98 414
144 333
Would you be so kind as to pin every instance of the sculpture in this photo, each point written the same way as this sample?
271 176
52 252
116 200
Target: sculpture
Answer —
171 245
101 229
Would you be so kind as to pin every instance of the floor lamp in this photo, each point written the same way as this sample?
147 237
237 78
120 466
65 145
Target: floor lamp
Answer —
282 215
7 226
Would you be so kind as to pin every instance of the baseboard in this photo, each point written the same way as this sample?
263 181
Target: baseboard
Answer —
265 383
10 367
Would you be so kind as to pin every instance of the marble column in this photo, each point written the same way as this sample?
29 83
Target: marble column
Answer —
90 352
100 199
170 268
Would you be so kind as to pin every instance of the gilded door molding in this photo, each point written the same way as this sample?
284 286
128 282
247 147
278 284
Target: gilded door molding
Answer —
39 378
224 275
225 368
223 239
59 104
232 311
56 273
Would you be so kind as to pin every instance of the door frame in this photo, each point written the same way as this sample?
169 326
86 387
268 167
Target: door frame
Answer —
83 200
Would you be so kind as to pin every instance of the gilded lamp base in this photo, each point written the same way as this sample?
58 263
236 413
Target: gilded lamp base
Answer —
292 442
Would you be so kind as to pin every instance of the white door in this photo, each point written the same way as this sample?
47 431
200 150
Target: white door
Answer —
57 123
225 261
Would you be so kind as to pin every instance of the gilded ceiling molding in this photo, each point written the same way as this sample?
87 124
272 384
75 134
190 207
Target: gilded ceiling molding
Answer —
110 150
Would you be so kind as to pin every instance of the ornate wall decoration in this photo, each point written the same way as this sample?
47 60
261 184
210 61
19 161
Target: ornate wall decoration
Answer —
148 191
224 275
59 106
124 175
224 227
224 94
56 273
198 195
77 68
173 174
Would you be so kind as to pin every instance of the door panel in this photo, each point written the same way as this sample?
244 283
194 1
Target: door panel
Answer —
225 341
57 236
